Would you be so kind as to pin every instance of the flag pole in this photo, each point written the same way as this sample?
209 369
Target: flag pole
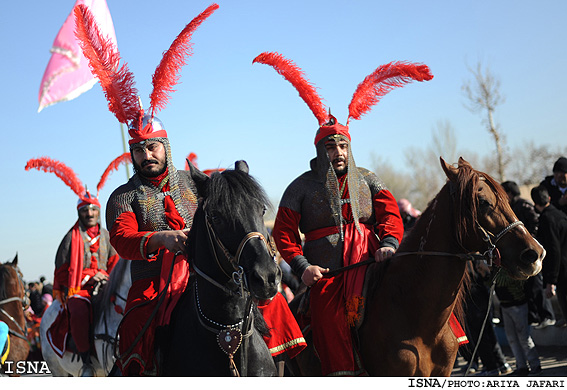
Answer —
125 150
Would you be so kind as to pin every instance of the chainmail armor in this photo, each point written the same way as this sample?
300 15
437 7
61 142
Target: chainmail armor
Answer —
315 196
145 200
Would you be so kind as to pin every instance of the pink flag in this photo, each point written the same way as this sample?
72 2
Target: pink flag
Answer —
68 74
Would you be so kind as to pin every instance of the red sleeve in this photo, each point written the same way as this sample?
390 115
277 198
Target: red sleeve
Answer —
286 233
388 219
127 240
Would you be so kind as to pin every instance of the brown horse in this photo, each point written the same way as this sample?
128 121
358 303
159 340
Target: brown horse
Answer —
410 298
12 295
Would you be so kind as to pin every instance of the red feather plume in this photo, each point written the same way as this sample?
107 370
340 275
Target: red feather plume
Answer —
62 171
383 80
104 61
166 75
292 73
113 166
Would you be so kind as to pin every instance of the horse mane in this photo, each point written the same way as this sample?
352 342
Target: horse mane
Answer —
468 181
4 275
100 301
230 193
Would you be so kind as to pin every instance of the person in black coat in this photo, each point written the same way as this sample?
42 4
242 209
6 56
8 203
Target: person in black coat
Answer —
552 234
540 309
556 185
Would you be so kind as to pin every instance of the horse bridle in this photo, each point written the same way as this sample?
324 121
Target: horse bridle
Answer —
489 255
231 266
230 337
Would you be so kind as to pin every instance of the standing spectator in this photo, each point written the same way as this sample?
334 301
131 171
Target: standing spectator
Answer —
540 310
513 297
556 184
477 301
552 234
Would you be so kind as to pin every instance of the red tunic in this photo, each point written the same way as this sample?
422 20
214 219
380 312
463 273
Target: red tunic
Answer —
138 356
69 285
334 301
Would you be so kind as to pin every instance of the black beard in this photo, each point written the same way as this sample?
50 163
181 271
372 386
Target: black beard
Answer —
341 172
138 169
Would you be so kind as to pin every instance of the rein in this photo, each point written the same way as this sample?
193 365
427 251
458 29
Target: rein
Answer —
489 255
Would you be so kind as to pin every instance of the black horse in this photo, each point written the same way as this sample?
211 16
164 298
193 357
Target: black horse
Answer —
216 328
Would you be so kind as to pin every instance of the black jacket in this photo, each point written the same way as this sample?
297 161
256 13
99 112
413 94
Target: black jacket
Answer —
552 234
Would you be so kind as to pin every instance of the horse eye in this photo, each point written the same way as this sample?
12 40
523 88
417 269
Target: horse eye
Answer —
484 203
264 210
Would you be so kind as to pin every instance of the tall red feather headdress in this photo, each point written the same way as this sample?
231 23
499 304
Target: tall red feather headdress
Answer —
70 178
118 82
62 171
368 93
166 75
384 79
292 73
124 158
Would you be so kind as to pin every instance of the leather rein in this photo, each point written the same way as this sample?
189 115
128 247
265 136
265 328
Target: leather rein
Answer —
490 255
230 337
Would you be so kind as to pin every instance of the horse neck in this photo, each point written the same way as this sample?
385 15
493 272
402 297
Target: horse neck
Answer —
438 278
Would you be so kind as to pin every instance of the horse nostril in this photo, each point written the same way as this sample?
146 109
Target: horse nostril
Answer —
529 256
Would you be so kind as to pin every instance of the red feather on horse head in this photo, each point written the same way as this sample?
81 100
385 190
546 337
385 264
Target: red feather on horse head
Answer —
383 80
124 158
166 75
61 170
292 73
104 60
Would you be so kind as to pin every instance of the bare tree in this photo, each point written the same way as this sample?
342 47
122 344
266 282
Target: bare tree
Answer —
533 162
483 94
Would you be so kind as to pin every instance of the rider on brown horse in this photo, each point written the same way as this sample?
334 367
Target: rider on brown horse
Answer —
347 215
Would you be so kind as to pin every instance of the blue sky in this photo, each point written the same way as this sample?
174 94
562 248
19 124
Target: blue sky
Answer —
226 109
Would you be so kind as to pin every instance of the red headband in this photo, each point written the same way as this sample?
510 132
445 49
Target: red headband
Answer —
325 131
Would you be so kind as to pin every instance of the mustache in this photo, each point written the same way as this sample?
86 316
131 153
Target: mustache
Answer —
146 162
339 159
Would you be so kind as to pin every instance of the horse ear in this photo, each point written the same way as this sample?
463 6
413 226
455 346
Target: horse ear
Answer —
15 260
198 177
241 165
450 171
464 162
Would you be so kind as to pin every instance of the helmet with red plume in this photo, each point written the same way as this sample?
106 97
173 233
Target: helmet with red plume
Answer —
118 82
368 93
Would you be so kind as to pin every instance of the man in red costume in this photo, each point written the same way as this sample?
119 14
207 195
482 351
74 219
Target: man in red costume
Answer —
334 240
149 219
345 212
84 260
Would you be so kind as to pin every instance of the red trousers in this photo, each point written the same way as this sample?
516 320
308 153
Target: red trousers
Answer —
80 319
331 333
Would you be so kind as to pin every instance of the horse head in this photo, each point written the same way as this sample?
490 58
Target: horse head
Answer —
486 223
12 283
230 216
